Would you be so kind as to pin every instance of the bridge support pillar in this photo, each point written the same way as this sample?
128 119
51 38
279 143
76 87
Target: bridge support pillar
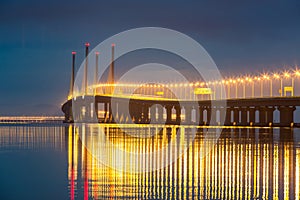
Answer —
270 115
236 119
169 113
145 114
105 112
213 116
244 117
178 114
188 114
228 117
262 116
286 115
153 114
160 113
252 116
208 116
96 111
201 120
222 116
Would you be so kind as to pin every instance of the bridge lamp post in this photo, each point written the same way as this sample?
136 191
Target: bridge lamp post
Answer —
266 77
276 76
247 79
261 86
236 93
250 80
214 84
286 75
244 88
223 82
190 93
297 74
228 89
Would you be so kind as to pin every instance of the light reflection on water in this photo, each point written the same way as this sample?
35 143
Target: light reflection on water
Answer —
244 164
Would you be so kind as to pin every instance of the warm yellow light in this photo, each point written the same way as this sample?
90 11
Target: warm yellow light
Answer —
265 77
297 73
286 74
276 76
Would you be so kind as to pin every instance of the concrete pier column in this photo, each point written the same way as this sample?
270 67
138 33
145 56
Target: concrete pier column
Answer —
201 121
197 115
153 114
270 115
208 115
222 116
251 115
96 110
178 114
145 113
236 119
213 116
228 117
160 113
188 114
106 112
244 116
286 115
262 116
169 113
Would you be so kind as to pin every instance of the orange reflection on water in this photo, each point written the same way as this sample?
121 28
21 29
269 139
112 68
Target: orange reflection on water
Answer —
245 163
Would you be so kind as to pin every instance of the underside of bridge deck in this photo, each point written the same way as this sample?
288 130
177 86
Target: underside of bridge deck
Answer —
243 112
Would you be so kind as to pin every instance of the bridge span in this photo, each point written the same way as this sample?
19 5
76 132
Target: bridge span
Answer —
242 112
268 99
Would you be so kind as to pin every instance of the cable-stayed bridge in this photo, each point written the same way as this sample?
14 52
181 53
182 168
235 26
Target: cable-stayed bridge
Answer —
266 99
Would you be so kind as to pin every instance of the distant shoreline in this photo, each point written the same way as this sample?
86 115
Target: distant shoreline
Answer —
26 119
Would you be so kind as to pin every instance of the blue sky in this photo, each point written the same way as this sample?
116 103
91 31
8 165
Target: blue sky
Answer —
36 38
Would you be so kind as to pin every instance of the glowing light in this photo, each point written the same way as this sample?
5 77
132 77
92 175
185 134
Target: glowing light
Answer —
286 74
276 76
265 76
87 44
97 53
73 52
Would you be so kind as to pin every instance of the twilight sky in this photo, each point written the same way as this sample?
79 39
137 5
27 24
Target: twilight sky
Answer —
36 38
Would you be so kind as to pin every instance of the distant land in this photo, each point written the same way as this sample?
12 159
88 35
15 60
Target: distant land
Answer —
30 110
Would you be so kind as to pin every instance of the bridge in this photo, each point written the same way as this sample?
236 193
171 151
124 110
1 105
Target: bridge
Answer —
266 99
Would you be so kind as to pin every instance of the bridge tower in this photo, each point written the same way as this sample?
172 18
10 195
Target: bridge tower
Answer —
111 74
72 76
96 71
85 73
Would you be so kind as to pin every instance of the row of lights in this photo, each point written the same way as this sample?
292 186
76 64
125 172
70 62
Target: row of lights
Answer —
247 79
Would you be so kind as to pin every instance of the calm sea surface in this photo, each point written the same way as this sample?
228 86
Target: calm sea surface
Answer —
56 161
